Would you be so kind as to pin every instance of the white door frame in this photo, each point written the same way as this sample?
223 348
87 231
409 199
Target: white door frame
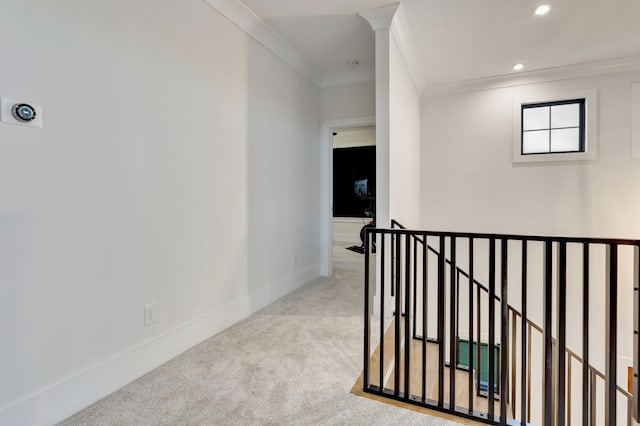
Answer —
326 202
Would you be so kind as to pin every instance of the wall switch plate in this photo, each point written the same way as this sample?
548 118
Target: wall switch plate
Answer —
6 115
149 314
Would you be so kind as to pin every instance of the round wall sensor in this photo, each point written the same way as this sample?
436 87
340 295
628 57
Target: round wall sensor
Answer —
24 112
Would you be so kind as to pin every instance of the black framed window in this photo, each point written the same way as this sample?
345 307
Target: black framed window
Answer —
553 127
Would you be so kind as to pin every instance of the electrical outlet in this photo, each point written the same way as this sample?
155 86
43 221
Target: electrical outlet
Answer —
149 314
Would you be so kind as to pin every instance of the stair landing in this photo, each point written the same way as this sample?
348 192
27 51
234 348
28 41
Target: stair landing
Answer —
430 378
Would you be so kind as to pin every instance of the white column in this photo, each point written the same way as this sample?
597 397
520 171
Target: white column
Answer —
380 20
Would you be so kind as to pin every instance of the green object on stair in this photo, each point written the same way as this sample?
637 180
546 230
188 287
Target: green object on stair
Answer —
463 361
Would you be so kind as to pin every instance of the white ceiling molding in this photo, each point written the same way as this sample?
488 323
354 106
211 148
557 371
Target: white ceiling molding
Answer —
408 48
238 13
356 75
588 69
380 18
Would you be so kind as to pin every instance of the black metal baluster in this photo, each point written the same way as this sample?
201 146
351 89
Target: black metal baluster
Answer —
393 263
471 365
562 331
441 313
635 409
547 330
479 331
415 282
514 360
529 374
492 330
398 318
453 321
425 290
504 331
611 334
365 372
407 318
585 334
523 366
382 297
457 301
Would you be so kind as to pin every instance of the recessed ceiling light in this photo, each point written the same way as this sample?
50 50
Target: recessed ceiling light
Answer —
543 9
518 67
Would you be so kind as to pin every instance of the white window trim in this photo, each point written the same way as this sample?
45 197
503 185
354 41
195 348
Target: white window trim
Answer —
591 128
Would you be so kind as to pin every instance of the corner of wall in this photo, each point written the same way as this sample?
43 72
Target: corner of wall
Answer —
401 31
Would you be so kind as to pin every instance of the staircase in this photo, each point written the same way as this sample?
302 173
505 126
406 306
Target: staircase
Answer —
530 299
430 389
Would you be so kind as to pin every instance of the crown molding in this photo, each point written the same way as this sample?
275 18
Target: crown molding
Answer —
588 69
239 14
380 18
356 75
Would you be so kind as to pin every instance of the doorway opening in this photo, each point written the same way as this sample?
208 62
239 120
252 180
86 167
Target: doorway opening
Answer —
353 190
327 208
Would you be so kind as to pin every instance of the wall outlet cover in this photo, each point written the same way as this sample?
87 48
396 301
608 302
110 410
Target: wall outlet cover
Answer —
6 116
149 314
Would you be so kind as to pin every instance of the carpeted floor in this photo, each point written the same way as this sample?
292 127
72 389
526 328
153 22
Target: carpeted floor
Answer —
292 363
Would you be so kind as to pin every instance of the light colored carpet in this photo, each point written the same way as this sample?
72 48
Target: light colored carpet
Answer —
292 363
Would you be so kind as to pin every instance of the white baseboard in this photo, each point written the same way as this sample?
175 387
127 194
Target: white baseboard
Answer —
60 400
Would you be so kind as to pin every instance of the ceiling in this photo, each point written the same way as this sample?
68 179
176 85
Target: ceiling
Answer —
328 32
460 40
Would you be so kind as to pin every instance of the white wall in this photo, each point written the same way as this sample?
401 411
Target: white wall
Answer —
348 101
469 180
404 140
178 164
357 136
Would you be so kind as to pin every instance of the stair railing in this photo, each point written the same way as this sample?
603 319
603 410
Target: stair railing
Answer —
404 281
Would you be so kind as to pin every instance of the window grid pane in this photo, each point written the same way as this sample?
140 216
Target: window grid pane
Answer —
553 127
535 118
535 142
563 116
565 140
